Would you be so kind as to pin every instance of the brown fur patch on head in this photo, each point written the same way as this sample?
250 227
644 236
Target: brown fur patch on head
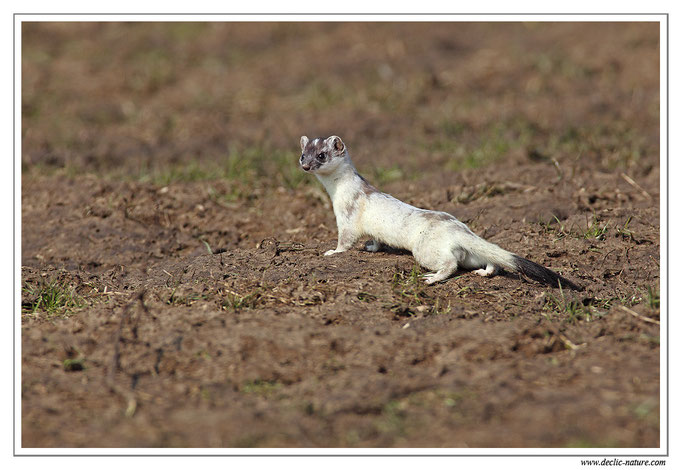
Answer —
314 147
311 151
317 152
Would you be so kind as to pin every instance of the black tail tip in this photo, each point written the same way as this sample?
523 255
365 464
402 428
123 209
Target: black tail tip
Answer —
541 274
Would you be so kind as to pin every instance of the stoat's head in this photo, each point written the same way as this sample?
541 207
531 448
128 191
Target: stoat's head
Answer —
322 156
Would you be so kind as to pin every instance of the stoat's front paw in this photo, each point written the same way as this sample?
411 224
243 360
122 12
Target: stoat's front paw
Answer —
330 252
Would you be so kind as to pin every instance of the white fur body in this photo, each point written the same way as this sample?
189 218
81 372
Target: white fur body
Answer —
437 240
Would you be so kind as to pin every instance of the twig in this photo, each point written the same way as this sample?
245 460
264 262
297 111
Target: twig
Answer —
641 317
635 185
128 396
558 168
568 343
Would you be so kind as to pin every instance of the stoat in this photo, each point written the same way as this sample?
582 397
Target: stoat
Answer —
437 240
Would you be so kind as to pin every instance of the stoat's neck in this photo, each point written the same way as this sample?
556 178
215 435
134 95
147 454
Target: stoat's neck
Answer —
344 177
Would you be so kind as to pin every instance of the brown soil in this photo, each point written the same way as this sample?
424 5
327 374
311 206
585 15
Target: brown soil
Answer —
162 204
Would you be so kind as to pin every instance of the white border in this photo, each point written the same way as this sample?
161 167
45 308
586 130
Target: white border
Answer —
663 231
17 235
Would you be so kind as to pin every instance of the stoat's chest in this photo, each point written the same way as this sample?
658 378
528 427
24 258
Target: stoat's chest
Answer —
349 203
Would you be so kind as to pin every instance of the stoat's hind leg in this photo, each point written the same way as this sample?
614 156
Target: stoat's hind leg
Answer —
373 246
489 270
442 274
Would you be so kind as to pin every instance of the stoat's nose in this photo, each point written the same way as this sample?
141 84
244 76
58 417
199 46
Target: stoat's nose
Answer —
306 167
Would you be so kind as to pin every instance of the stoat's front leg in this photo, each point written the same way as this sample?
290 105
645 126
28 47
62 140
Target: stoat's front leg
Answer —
347 237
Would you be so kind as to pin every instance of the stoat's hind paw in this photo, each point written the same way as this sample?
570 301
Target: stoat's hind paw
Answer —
442 274
487 271
330 252
432 278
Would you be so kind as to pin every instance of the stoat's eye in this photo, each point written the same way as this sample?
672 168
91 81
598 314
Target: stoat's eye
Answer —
302 155
321 156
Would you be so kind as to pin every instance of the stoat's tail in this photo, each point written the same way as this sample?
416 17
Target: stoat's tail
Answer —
504 259
542 274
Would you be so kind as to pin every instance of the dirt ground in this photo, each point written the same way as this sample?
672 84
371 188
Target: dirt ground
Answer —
174 288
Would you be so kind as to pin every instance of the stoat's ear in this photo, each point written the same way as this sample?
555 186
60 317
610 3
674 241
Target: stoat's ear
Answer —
304 142
336 144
